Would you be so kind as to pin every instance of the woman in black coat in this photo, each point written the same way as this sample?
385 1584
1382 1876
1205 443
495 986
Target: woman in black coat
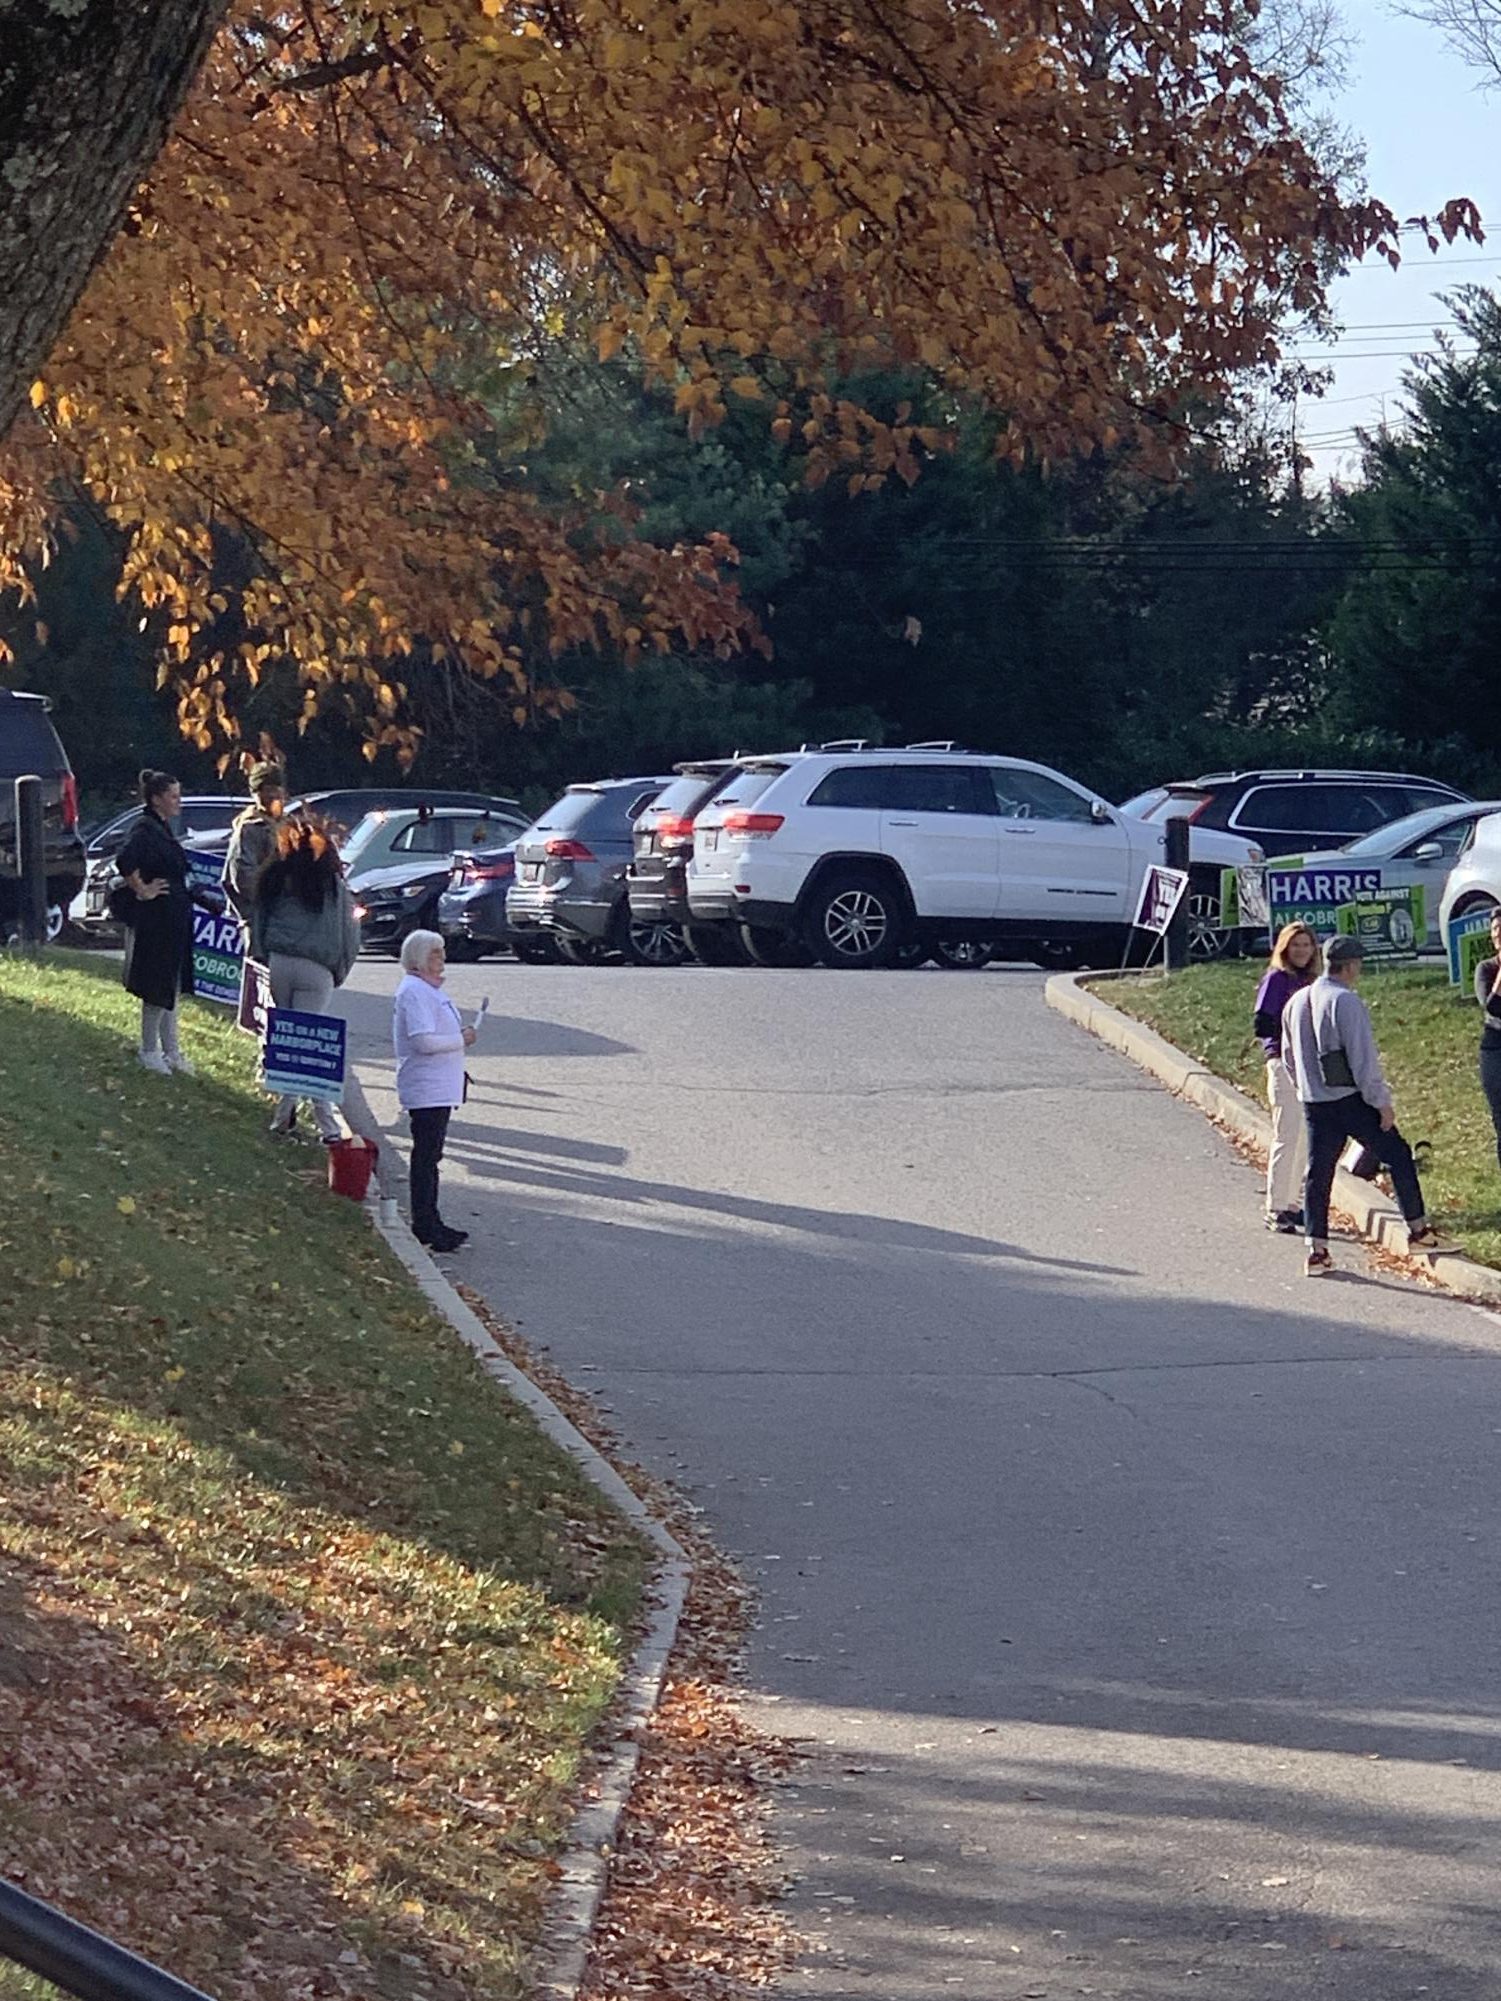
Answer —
159 928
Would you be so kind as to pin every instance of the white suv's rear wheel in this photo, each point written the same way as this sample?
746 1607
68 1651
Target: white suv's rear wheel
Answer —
856 920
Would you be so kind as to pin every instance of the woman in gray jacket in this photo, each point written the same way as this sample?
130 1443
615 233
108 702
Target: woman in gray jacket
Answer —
303 930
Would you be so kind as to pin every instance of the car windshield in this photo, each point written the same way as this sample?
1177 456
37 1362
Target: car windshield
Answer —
1397 833
746 786
361 835
1141 806
682 795
576 811
28 742
1161 803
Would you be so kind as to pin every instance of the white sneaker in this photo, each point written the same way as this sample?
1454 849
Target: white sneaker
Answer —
153 1059
181 1065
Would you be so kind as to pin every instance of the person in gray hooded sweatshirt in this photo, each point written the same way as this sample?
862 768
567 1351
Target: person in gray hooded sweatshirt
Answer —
1330 1048
303 930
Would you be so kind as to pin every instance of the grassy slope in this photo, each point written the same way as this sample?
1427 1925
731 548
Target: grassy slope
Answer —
302 1623
1429 1035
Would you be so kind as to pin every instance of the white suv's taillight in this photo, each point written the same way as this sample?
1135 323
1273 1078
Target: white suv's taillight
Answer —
751 826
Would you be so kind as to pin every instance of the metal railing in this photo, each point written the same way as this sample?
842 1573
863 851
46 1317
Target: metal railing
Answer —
78 1960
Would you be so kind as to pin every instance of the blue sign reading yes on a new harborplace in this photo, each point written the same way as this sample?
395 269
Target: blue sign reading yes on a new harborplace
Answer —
304 1054
1314 896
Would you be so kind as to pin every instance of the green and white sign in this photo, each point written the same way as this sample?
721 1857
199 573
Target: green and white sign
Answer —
1468 942
1390 925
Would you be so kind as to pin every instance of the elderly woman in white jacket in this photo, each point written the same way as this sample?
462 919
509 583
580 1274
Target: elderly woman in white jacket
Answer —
430 1045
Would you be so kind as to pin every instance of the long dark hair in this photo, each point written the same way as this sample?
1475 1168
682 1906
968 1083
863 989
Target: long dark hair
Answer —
305 865
153 784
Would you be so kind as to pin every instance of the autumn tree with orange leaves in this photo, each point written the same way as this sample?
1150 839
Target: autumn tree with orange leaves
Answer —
1089 216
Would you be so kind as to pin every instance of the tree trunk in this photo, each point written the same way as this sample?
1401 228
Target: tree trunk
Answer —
87 90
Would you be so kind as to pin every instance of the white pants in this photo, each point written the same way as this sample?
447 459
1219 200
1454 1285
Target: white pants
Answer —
1288 1162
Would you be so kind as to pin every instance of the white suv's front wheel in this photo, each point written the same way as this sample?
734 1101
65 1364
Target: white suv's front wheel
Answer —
856 920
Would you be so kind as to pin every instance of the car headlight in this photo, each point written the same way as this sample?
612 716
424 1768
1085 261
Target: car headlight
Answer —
413 891
361 912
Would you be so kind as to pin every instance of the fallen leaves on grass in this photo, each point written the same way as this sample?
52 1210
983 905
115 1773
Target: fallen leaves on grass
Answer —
293 1693
691 1908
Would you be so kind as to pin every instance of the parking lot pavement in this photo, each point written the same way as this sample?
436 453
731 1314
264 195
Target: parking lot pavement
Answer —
1135 1598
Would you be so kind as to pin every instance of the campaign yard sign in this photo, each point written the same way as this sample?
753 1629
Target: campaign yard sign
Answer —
1315 896
1468 942
304 1056
255 999
1390 926
1161 893
218 941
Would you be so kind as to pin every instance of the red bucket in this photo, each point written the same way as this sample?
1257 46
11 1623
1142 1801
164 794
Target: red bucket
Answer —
351 1162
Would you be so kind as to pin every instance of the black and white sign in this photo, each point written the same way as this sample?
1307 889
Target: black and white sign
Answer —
1161 893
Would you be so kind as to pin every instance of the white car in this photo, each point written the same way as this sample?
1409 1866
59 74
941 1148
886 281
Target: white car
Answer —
1475 881
387 839
862 856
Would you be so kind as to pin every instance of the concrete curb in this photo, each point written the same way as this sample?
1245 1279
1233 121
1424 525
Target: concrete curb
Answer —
585 1861
1373 1215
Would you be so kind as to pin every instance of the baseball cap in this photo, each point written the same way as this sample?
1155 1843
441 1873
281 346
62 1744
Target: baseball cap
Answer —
1341 951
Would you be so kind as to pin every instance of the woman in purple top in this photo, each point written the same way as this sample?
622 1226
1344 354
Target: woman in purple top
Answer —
1294 962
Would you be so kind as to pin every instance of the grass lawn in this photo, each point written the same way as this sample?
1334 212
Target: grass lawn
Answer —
1429 1035
303 1624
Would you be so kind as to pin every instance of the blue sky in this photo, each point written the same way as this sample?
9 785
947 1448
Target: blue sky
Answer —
1430 133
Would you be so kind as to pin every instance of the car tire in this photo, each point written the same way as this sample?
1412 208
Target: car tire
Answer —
964 955
574 951
534 951
1208 939
856 920
657 944
717 945
778 950
1054 957
910 957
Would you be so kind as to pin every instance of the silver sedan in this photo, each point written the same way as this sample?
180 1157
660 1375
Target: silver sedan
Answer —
1417 851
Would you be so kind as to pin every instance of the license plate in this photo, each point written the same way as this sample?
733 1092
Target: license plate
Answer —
531 871
95 904
644 844
710 839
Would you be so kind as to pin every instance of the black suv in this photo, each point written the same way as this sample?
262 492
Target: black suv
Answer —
656 881
29 745
1295 812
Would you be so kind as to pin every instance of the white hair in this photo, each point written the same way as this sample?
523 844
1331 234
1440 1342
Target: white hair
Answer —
415 948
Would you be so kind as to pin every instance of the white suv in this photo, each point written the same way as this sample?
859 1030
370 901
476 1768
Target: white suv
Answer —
860 856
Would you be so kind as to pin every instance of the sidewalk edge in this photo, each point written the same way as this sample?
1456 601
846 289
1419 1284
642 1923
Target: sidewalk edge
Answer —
1373 1215
584 1864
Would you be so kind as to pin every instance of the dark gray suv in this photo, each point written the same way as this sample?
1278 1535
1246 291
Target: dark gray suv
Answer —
29 745
570 880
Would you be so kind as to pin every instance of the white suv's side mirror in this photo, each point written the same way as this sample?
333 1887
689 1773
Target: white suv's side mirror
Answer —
1101 814
1430 851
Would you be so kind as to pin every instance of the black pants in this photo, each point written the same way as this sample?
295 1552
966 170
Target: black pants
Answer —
429 1131
1490 1083
1331 1127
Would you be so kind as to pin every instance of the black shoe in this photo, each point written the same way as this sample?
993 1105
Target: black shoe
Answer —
1286 1222
442 1238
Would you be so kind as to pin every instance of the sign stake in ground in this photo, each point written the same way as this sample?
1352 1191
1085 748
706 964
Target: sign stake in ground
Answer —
31 863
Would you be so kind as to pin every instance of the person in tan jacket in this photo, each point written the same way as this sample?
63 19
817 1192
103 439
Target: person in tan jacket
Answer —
252 839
